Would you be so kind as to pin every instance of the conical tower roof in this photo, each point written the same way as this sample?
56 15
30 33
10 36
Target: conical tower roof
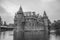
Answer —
45 15
20 10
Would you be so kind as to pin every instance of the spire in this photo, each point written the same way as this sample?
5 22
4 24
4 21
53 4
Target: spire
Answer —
45 15
20 10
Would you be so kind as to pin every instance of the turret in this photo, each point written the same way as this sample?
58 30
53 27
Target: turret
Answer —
19 17
45 19
20 10
19 22
45 15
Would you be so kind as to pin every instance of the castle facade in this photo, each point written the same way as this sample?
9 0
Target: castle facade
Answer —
30 20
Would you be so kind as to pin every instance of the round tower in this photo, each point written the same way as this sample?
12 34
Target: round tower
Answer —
45 20
19 17
19 23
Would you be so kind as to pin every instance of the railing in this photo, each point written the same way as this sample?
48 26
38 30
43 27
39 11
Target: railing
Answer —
5 28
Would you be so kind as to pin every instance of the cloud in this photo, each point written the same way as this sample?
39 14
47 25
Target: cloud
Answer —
52 7
48 0
53 10
7 18
0 1
2 10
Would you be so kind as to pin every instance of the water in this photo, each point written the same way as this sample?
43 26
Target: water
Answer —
8 35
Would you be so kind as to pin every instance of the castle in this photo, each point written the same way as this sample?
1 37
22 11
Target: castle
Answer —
30 20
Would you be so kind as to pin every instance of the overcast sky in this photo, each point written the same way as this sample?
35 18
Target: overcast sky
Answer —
9 7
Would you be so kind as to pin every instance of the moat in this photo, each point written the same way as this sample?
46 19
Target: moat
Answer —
8 35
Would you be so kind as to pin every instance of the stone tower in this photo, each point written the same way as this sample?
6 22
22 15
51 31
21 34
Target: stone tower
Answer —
19 24
19 18
45 19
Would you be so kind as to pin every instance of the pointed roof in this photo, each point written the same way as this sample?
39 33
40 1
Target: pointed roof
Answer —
45 15
20 10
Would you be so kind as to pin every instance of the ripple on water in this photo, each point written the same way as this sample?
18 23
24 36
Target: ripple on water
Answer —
8 35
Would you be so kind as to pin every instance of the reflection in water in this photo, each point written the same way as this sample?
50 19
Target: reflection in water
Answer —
53 37
58 37
30 35
3 33
0 35
8 35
